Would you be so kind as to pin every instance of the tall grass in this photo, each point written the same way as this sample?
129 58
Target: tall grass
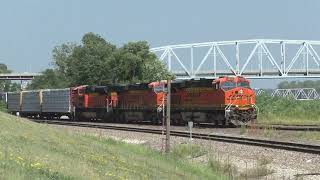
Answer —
187 151
277 110
3 106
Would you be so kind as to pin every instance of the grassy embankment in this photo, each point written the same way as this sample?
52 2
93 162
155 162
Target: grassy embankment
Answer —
276 110
36 151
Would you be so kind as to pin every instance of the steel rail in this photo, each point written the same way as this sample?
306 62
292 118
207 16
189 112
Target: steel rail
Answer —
298 147
286 127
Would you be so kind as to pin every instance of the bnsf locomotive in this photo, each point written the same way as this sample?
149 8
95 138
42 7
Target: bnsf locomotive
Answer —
223 101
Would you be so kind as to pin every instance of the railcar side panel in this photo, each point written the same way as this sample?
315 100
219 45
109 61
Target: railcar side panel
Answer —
30 102
13 101
56 100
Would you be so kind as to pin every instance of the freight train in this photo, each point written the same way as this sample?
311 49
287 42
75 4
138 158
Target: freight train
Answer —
223 101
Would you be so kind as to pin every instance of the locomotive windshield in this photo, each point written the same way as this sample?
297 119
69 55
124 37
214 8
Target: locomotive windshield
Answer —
244 84
228 85
96 89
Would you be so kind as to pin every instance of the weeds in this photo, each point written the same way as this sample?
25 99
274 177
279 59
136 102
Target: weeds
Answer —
225 167
243 130
257 172
268 132
263 161
261 169
187 151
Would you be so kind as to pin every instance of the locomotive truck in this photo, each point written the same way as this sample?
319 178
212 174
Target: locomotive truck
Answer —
223 101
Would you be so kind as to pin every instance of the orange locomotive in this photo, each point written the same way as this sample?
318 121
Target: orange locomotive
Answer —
89 102
137 103
224 101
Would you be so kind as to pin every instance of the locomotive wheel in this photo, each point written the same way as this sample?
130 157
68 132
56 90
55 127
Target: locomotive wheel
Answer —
219 120
123 118
153 120
76 117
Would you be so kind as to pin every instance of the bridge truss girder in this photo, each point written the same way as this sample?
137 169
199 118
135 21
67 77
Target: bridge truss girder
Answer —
304 60
296 93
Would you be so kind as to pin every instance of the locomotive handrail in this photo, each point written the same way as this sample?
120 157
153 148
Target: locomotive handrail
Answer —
228 107
254 105
162 105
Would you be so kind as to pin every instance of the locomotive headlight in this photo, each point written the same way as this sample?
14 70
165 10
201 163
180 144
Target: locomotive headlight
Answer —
241 91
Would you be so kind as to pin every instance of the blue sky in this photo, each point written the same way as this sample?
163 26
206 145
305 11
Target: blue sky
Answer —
30 29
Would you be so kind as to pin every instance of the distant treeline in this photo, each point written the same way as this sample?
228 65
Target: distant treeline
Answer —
300 84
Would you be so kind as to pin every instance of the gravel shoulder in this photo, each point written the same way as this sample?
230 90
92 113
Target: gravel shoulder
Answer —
284 164
308 137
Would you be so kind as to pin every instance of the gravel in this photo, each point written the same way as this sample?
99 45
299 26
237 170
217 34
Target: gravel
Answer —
284 135
285 164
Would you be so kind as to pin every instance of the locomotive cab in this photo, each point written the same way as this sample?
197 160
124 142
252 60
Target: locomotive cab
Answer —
239 99
89 102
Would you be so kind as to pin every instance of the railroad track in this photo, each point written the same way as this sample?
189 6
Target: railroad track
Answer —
299 147
286 127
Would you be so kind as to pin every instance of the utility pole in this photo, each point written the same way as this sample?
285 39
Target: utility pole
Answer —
168 115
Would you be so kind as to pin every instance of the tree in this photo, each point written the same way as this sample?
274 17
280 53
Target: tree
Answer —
7 85
61 57
300 84
50 79
89 62
98 62
4 69
135 63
